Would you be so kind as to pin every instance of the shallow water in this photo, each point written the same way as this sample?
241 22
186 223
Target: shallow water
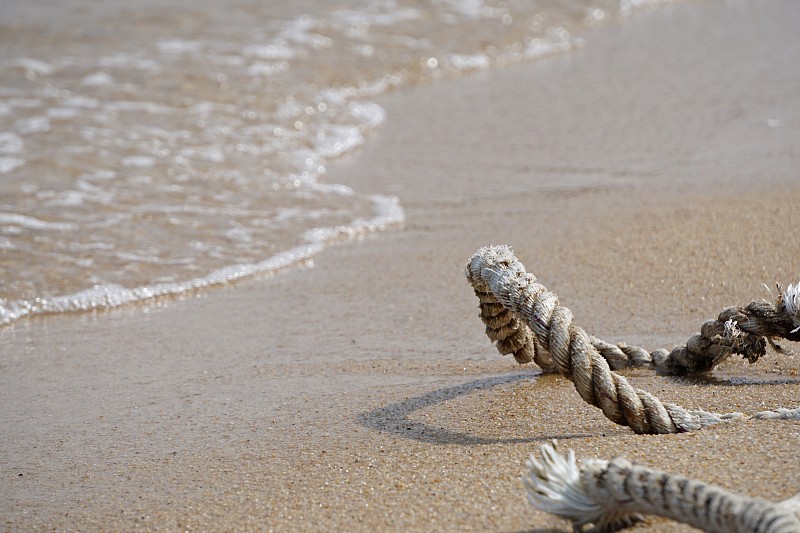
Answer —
153 148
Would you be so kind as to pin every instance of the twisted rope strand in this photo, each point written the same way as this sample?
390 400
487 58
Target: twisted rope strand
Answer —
736 331
613 495
523 318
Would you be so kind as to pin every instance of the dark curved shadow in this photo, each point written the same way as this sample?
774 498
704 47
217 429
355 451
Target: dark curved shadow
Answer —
733 381
538 530
394 417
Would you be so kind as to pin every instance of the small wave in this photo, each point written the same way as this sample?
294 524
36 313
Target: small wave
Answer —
387 212
161 149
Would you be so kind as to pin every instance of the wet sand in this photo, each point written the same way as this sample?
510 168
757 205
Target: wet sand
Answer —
649 180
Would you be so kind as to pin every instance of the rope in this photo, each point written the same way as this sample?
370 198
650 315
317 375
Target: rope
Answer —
523 318
613 495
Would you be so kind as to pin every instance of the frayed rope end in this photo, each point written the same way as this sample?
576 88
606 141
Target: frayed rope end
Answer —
559 485
554 484
791 302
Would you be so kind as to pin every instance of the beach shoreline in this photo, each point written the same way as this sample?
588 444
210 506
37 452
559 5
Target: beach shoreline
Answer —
649 180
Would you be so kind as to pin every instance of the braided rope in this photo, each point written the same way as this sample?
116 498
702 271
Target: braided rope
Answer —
523 318
610 495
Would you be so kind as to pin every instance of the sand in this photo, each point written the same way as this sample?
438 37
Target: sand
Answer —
650 180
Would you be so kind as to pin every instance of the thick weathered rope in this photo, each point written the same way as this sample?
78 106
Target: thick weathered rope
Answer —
523 318
613 495
736 331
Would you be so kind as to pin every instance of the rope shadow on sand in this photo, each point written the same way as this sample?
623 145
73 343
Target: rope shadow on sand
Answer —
733 381
394 418
538 530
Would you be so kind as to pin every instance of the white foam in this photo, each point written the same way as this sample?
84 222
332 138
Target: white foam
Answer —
34 67
239 234
179 46
369 114
10 143
468 62
30 125
342 95
299 31
84 102
627 6
25 103
124 60
467 8
148 107
62 113
103 175
207 153
271 51
260 68
559 42
138 161
392 14
237 139
387 211
98 79
68 199
9 164
25 221
334 140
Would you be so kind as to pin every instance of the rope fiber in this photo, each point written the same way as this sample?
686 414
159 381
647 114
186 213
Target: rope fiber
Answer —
613 495
524 319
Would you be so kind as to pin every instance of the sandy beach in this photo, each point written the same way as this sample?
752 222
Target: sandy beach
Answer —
649 180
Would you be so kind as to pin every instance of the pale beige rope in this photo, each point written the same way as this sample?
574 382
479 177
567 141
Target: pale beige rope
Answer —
741 331
612 495
526 320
